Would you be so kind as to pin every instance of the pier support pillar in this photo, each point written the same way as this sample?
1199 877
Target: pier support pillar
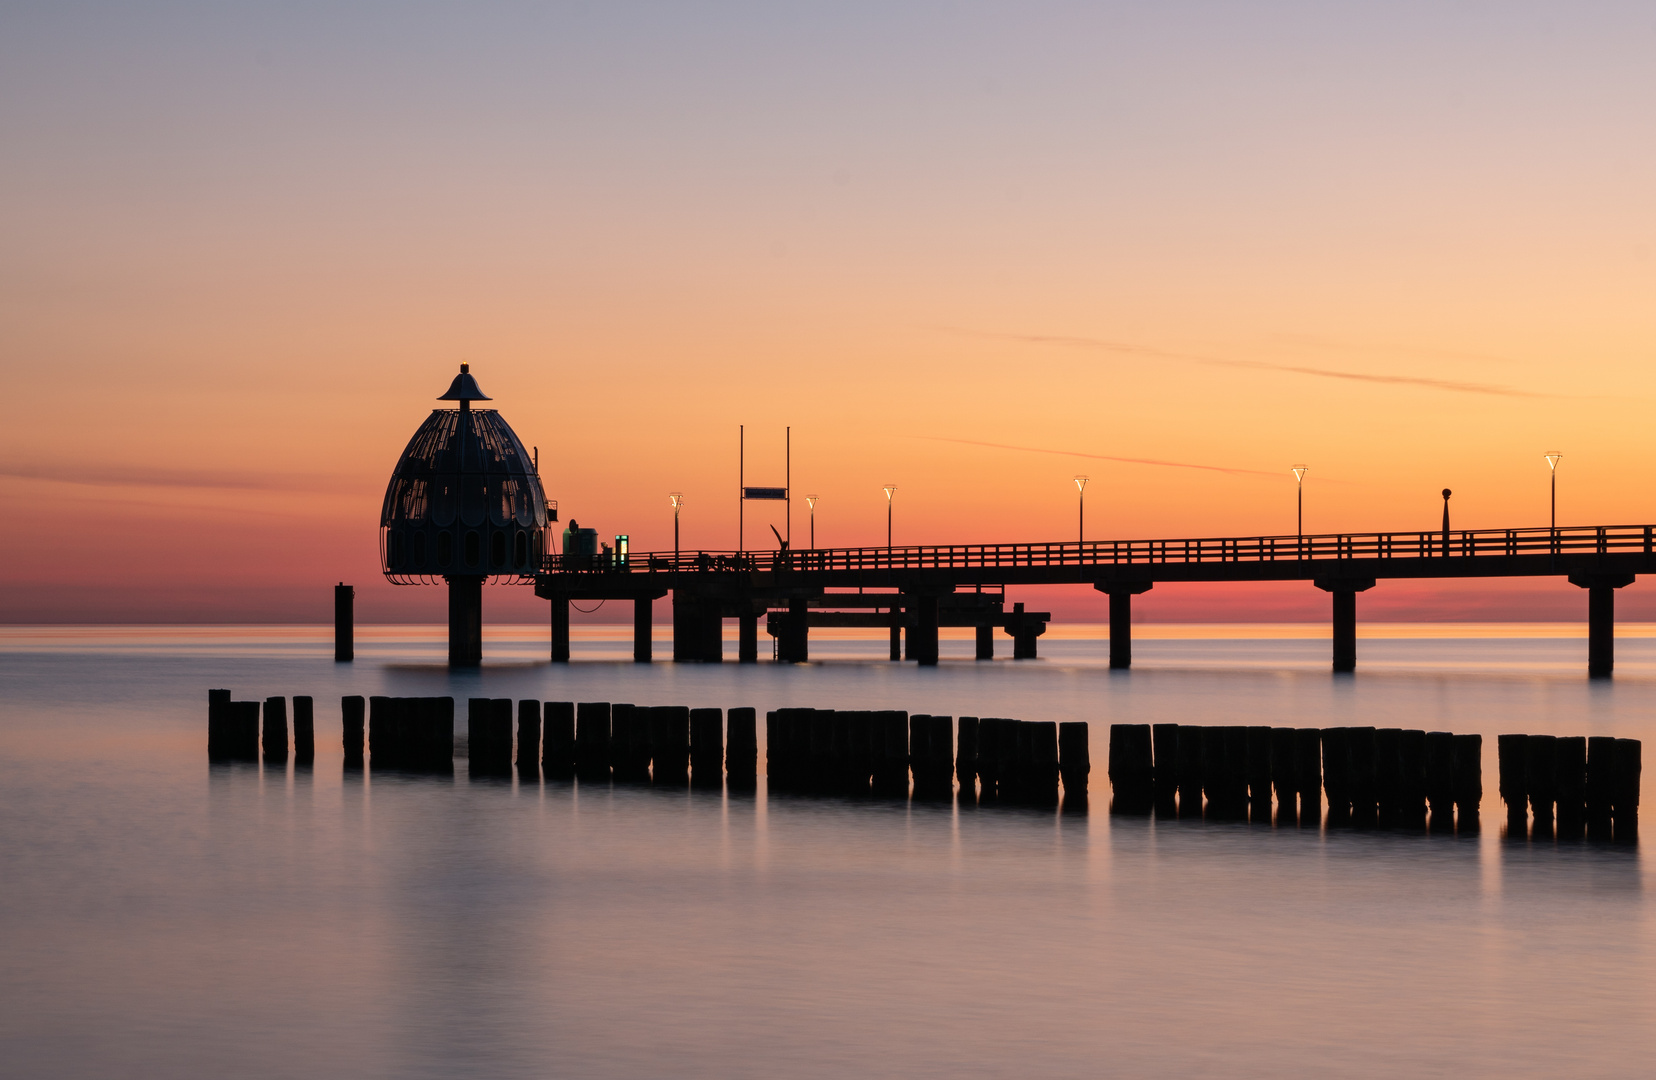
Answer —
1121 595
923 629
344 623
896 636
1344 591
643 626
1601 619
698 630
985 642
560 629
747 637
793 646
465 630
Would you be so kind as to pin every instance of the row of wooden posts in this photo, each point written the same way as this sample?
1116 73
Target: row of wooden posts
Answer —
234 730
993 759
1592 783
1374 776
1369 776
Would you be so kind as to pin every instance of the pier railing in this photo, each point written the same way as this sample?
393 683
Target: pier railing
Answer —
1467 543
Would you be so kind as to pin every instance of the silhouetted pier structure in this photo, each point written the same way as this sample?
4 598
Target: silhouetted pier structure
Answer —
917 590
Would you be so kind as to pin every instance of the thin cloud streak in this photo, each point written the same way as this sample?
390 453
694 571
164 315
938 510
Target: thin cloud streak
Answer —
1258 365
104 475
1098 457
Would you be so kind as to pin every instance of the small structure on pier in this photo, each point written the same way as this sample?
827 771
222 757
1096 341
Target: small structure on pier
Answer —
465 505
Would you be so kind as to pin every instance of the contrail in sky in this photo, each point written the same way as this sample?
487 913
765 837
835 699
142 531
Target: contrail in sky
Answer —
1257 365
1097 457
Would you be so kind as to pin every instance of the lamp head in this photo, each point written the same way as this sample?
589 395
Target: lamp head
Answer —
811 500
889 488
1081 483
1299 473
1553 458
676 498
1445 494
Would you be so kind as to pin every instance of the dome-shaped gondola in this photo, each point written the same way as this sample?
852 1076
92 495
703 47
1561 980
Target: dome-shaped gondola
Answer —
465 500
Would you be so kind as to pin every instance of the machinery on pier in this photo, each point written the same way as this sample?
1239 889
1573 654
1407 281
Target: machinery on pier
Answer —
465 505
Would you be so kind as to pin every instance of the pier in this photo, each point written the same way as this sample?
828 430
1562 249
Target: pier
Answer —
914 591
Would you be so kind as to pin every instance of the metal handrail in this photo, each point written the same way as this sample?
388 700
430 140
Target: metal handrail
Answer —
1467 543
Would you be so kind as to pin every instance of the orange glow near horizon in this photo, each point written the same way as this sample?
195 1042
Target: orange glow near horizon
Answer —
1180 260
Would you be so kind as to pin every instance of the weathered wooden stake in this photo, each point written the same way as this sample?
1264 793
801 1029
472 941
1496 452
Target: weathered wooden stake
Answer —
1132 769
707 748
1540 777
592 740
352 716
1468 782
742 748
528 738
1512 762
1440 780
304 730
275 731
1570 785
1075 763
219 740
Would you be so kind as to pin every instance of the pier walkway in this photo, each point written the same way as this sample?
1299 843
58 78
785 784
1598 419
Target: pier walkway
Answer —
916 590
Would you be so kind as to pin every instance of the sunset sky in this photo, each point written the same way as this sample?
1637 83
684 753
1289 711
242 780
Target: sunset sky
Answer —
967 249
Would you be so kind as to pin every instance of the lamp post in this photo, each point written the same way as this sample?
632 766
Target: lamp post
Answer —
1299 506
1446 522
677 499
811 501
1081 509
1553 458
889 488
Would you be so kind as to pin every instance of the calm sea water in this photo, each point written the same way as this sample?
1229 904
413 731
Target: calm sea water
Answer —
161 917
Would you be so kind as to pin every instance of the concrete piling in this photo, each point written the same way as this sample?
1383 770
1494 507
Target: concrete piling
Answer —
558 740
707 748
353 728
528 738
275 731
592 740
742 748
304 730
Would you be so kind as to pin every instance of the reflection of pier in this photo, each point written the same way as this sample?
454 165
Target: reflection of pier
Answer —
916 590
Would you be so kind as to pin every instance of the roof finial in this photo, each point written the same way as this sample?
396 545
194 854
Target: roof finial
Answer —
464 389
